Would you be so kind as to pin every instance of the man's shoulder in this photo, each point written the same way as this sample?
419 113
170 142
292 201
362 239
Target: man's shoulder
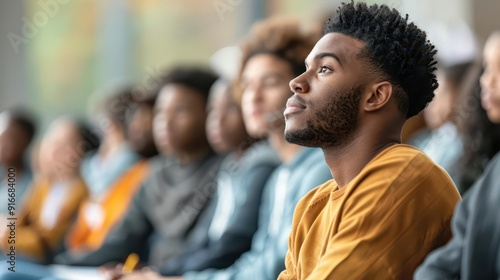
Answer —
405 160
404 165
401 153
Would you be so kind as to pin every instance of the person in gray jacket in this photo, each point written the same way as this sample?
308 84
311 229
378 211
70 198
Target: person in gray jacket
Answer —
474 251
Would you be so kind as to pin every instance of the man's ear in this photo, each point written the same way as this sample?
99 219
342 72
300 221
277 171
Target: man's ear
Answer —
378 96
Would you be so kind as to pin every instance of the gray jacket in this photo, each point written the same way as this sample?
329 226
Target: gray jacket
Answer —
162 214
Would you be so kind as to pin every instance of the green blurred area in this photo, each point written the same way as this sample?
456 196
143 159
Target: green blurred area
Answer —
79 47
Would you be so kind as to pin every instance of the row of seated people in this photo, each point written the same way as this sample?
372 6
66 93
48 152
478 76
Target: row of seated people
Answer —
72 179
218 201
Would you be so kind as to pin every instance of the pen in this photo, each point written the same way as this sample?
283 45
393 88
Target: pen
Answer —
130 263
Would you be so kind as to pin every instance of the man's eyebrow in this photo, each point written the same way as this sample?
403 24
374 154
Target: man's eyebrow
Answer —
327 54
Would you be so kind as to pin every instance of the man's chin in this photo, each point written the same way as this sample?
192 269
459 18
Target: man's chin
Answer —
299 138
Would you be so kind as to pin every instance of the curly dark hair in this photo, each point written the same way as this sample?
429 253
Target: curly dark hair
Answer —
283 37
397 49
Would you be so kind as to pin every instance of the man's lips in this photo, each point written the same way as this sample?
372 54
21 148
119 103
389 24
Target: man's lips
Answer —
294 105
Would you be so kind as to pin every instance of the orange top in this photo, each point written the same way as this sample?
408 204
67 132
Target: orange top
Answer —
48 213
97 218
379 226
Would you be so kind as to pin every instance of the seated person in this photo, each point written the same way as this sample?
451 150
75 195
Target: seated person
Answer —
51 204
16 132
389 205
474 251
480 137
442 143
114 156
240 182
98 215
268 66
165 209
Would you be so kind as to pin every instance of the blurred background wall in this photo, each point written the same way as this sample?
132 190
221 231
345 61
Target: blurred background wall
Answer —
57 55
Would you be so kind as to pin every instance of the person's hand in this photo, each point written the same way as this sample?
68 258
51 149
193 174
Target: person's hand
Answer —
112 271
145 274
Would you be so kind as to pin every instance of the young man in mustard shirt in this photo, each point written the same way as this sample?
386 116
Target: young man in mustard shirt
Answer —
389 204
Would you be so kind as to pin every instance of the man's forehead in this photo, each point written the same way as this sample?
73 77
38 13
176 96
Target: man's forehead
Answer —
345 47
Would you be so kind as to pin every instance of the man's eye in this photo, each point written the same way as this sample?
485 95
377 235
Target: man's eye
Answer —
324 69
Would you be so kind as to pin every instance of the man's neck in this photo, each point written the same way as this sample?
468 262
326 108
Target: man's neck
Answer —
286 151
347 161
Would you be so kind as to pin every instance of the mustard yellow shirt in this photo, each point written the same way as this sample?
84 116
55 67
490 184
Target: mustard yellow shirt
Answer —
36 236
379 226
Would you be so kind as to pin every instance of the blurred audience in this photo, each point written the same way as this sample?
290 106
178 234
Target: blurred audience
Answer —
473 253
240 183
99 215
480 137
164 212
17 129
441 141
114 156
53 202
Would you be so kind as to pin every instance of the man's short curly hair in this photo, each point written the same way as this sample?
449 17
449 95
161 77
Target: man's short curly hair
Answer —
397 49
284 37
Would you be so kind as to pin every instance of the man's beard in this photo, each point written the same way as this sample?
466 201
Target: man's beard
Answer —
334 124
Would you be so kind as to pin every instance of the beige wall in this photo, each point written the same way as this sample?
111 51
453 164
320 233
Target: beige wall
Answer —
486 17
13 82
